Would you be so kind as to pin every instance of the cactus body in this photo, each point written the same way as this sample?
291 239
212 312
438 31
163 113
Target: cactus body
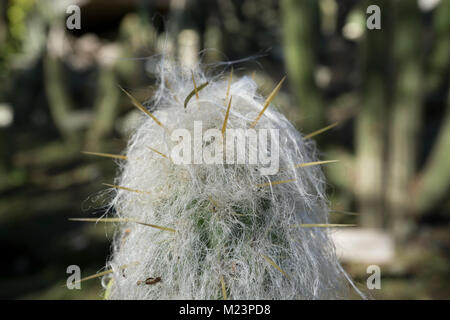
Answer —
221 230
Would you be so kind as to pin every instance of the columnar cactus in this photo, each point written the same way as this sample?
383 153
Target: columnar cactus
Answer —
197 229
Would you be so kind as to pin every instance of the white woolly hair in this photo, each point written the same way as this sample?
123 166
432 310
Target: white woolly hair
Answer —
230 233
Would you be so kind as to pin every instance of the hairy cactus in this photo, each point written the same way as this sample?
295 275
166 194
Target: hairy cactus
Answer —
195 223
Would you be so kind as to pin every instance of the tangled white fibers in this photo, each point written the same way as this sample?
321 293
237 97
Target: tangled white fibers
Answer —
222 230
